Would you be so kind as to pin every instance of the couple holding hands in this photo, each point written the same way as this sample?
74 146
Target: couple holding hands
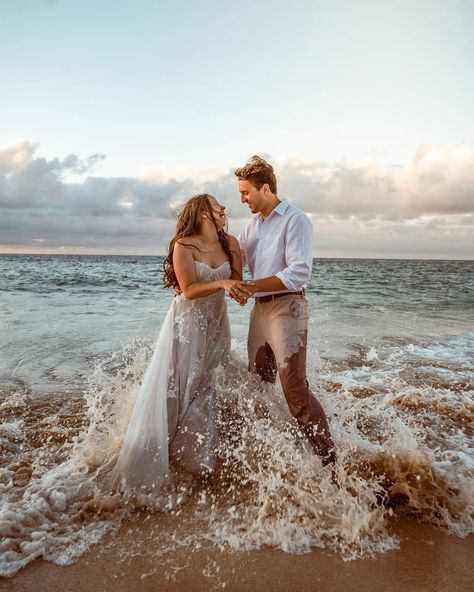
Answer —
174 412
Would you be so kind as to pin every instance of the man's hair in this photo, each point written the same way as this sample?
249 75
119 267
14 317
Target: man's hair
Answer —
258 172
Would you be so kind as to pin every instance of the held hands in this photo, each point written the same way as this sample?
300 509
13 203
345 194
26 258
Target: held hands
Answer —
238 290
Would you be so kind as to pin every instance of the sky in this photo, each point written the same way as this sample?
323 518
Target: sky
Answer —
113 113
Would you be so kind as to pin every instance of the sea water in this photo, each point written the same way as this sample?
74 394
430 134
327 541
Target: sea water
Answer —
390 357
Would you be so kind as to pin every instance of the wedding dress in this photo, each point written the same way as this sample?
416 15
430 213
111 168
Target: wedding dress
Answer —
174 413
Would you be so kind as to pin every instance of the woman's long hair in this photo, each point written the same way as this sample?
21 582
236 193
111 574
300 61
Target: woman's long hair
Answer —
189 224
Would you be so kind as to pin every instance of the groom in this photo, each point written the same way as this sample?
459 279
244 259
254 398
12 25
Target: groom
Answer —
277 247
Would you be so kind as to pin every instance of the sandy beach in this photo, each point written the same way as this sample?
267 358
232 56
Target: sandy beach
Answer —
428 559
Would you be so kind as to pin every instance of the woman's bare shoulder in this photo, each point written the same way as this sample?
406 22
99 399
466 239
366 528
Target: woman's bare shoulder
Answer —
187 242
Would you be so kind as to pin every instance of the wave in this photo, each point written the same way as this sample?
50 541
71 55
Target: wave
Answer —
404 449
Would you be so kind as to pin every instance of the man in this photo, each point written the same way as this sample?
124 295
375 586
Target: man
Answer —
277 247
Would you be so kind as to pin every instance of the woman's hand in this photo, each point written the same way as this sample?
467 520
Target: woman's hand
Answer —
238 290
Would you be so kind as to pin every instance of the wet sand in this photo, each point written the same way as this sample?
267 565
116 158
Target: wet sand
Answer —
428 559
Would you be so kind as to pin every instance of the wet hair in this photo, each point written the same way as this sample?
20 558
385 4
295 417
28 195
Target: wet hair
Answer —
258 172
189 224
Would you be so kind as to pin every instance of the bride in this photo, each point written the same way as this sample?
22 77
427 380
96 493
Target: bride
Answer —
174 413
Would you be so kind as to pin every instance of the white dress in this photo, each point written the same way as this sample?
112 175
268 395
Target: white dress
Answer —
174 413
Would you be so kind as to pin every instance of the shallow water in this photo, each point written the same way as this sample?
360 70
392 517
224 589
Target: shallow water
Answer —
390 358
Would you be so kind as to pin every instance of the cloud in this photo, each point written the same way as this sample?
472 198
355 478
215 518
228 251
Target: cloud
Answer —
438 180
28 181
425 237
356 208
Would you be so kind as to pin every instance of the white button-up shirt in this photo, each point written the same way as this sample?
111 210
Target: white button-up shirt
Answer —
280 245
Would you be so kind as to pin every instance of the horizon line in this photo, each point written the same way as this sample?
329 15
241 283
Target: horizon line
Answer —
162 256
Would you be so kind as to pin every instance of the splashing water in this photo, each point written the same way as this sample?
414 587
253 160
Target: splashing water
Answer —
268 488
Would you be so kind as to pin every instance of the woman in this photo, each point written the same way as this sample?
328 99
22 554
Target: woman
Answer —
174 414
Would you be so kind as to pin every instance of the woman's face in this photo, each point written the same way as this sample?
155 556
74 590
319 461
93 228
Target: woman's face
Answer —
219 212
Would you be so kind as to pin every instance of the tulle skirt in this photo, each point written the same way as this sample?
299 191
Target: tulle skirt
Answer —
174 416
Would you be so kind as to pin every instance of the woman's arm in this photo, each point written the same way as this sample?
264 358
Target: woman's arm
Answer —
185 270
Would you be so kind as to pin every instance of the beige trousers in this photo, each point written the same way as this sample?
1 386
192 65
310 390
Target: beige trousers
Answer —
277 341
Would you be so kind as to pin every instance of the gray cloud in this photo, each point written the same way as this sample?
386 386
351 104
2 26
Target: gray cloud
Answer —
428 202
438 180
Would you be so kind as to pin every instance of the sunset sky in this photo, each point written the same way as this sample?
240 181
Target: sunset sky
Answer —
115 112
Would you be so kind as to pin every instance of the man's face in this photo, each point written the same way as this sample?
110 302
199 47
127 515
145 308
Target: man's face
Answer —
249 194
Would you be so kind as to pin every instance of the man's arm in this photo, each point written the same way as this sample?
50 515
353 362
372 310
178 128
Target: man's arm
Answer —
299 259
298 253
269 284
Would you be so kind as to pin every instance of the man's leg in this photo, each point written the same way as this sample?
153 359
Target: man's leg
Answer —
287 321
261 358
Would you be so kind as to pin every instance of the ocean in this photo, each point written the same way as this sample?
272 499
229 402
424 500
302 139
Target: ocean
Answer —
390 357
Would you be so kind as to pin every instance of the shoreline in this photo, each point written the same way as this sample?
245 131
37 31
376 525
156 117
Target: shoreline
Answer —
427 559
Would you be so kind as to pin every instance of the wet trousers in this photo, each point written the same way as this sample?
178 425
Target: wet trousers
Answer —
277 341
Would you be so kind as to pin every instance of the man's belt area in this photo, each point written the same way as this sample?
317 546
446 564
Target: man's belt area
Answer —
275 296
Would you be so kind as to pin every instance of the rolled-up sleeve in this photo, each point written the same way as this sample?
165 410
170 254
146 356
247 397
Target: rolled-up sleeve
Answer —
298 253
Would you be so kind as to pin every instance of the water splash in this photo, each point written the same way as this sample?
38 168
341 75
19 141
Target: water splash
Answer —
404 448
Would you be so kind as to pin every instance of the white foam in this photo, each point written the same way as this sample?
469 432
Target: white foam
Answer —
272 490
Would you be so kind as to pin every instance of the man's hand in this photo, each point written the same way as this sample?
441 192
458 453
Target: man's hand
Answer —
248 289
238 290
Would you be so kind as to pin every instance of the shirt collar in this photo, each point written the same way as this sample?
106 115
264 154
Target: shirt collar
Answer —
280 209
